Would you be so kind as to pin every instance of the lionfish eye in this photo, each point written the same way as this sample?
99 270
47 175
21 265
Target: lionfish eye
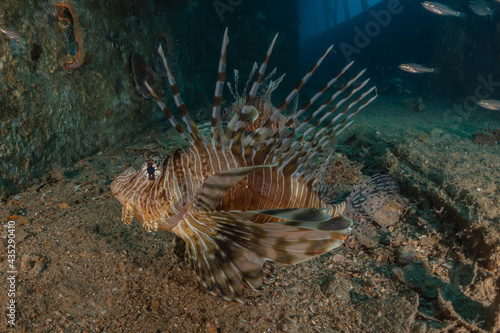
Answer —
152 171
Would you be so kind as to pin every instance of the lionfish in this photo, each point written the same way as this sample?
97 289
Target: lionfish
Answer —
241 203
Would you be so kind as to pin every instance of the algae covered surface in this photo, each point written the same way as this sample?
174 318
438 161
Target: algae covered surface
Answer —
432 267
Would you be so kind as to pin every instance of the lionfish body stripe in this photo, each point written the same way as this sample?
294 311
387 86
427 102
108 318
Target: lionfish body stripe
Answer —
240 203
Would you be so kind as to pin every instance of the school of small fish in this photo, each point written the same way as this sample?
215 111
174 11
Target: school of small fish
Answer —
478 7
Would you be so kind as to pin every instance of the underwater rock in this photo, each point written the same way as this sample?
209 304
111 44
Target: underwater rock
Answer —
483 138
392 314
389 214
496 132
338 288
415 104
32 265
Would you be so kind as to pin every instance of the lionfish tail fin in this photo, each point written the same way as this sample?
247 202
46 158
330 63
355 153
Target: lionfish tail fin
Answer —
369 197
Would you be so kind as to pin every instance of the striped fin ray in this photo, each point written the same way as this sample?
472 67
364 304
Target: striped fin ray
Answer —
235 129
236 81
297 214
329 132
216 129
300 139
270 75
191 126
178 127
252 73
297 89
286 131
293 152
234 92
337 223
308 156
266 131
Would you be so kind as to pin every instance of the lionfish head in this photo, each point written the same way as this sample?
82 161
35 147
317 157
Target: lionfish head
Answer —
143 195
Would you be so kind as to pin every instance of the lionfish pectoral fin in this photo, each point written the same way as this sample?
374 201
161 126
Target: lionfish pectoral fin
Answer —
289 242
223 266
297 214
215 187
127 214
229 252
337 223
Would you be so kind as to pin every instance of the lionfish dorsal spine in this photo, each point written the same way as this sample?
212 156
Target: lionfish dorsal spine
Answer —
178 127
265 133
328 133
302 82
295 117
231 90
236 82
252 73
216 129
273 85
186 118
234 131
290 148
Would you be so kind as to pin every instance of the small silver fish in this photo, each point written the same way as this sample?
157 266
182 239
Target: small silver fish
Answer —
440 9
417 69
490 104
481 8
11 34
